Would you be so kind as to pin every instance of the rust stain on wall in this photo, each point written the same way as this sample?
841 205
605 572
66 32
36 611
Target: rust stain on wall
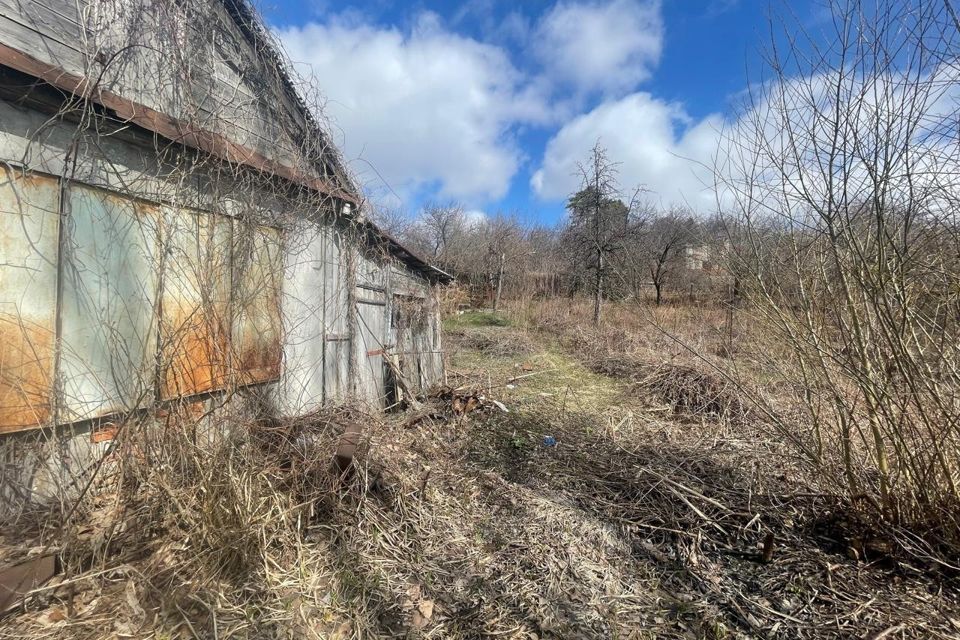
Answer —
260 363
194 355
29 224
26 375
194 329
258 328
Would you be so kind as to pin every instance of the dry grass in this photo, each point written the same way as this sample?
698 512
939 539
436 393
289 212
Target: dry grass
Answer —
703 360
646 519
490 342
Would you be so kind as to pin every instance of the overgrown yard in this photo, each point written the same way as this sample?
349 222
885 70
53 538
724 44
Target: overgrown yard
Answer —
552 491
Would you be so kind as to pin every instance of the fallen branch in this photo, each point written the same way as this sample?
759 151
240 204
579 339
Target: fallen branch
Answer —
527 375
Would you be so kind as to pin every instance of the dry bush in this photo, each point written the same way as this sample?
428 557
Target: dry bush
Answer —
195 527
452 299
843 223
695 391
496 342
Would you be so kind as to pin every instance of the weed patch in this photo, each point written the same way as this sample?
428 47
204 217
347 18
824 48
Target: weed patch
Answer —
475 319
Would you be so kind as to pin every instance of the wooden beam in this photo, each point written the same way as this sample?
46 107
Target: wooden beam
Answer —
18 580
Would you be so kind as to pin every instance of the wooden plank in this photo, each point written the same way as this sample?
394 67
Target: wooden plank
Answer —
20 579
336 370
61 25
371 325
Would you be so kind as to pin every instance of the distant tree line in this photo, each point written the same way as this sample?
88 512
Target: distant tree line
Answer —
609 247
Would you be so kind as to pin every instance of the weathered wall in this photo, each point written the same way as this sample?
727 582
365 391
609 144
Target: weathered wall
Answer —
141 272
114 302
184 60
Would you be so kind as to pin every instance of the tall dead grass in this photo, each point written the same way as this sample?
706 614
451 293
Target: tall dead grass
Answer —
195 528
704 360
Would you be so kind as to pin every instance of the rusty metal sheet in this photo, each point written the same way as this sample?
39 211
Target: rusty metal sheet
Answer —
28 284
195 305
108 312
257 327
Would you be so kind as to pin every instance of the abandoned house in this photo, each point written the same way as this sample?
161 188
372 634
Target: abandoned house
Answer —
176 227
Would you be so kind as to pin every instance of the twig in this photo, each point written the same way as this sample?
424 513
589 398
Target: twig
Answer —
527 375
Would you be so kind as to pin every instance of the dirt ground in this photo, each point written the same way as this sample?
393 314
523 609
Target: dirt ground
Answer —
545 494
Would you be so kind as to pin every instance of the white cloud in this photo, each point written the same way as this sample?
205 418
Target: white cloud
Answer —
783 154
475 216
656 143
428 109
606 47
425 112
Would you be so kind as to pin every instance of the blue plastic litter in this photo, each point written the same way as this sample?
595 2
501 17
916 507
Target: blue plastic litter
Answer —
549 441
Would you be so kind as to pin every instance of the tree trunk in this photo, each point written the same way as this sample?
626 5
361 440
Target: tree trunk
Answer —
496 298
658 287
598 292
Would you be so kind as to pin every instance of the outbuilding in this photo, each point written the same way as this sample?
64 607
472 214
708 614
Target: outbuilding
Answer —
177 228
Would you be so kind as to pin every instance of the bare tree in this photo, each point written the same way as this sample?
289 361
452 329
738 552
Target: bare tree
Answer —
503 238
842 186
393 220
438 230
599 221
663 245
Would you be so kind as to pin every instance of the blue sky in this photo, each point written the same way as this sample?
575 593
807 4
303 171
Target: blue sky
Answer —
492 103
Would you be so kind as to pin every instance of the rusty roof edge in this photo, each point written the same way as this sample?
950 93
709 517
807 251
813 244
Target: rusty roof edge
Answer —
164 125
247 19
402 253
